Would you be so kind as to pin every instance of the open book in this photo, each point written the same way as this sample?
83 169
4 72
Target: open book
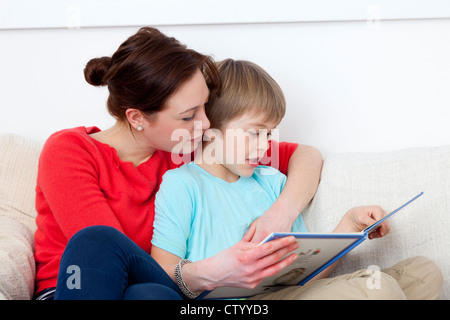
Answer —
317 251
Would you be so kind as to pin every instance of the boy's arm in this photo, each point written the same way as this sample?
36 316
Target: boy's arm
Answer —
166 260
356 220
303 176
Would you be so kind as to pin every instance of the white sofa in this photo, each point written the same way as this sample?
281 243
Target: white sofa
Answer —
350 179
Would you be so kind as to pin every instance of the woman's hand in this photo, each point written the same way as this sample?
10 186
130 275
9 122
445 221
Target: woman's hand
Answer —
359 218
243 265
303 176
273 220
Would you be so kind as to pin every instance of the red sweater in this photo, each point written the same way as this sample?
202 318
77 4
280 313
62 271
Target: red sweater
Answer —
82 182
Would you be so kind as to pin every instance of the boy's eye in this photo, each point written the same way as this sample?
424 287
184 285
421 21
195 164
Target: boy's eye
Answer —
189 118
260 132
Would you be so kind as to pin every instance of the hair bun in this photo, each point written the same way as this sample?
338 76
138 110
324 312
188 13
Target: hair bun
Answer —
95 71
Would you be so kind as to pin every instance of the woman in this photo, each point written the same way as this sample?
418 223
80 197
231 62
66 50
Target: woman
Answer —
158 91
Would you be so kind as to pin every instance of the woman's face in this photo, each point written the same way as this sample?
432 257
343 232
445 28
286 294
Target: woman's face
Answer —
179 127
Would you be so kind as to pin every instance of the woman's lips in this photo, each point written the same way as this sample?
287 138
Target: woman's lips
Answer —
198 139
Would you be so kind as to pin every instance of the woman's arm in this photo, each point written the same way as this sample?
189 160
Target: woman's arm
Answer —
243 265
303 176
247 264
68 184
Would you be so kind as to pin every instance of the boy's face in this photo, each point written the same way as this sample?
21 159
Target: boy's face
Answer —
245 141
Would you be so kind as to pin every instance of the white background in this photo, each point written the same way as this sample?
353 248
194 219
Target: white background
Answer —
358 75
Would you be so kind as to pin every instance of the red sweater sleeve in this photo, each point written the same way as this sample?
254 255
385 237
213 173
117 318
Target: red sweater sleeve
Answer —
68 187
278 155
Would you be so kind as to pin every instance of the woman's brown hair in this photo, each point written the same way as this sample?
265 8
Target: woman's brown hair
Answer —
145 70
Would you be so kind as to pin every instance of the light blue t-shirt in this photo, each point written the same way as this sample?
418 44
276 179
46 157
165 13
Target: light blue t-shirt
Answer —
197 215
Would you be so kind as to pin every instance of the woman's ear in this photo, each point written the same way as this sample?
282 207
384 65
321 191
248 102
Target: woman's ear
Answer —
136 118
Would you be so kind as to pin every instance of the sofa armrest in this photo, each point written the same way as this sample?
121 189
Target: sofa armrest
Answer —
17 265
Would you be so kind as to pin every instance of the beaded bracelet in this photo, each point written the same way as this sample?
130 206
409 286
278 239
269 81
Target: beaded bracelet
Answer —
181 284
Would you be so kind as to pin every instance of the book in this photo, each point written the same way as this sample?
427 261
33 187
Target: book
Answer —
316 252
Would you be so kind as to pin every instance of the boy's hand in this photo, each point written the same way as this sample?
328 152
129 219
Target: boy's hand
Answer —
359 218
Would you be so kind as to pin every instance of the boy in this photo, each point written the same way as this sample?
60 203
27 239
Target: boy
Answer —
208 205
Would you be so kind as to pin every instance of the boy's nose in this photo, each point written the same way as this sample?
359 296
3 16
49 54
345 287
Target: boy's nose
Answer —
263 145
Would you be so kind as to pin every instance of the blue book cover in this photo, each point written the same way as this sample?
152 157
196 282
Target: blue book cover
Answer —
316 252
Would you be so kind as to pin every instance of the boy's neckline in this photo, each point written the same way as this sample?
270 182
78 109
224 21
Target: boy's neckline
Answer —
202 168
215 169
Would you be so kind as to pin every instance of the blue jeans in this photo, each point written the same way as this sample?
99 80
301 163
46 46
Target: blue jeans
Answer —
102 263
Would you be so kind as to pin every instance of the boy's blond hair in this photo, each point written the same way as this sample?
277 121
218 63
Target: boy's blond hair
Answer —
246 87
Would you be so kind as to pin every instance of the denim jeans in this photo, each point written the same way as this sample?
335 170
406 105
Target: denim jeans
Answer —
102 263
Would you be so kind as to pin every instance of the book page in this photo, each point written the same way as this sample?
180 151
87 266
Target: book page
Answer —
315 250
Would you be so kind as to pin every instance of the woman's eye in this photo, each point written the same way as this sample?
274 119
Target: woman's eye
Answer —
189 118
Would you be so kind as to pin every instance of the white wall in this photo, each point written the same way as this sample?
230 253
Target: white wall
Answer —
350 85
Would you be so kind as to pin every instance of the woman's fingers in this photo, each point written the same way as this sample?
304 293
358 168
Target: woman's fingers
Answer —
248 236
277 255
246 264
271 257
272 246
277 267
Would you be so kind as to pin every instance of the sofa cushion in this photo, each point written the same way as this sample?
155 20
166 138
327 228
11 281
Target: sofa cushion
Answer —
17 266
19 158
389 179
